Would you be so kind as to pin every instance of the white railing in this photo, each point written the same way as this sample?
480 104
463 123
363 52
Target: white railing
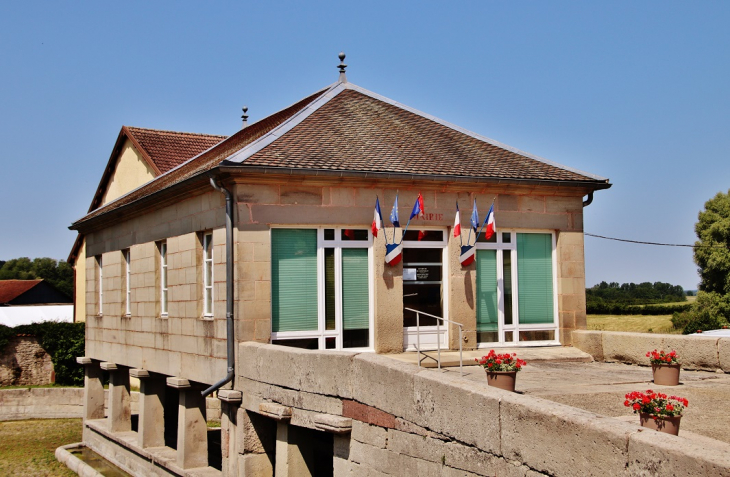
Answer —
438 338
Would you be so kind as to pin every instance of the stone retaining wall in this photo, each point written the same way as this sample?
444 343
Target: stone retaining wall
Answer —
709 353
24 362
63 403
409 421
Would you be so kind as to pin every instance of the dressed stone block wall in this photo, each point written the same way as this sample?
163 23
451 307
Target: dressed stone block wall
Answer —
183 343
409 421
299 201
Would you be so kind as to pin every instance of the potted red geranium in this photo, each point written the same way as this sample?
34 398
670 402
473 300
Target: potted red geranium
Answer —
665 367
657 410
501 369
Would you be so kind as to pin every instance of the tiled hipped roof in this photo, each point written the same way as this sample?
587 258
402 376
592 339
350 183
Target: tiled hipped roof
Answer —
356 132
12 289
168 149
349 130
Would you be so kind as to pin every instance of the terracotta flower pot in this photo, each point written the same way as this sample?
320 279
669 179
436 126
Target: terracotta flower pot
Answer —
666 374
669 425
502 379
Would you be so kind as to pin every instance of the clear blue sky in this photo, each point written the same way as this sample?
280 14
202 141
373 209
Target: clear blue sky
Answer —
634 91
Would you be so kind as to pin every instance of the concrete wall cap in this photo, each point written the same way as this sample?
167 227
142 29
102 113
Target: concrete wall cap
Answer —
178 383
107 366
230 395
139 373
275 411
333 424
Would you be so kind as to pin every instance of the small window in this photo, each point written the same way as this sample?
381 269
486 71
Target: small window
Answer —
100 281
424 236
127 283
354 234
162 247
208 274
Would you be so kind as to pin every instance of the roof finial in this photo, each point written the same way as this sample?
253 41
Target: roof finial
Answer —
245 116
342 66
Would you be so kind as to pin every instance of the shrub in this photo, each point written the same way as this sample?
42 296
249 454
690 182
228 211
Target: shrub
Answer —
702 321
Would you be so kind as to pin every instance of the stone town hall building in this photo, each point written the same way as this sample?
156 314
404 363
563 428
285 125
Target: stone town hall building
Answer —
266 236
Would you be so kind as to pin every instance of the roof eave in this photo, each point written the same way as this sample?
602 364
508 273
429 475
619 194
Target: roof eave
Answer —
234 167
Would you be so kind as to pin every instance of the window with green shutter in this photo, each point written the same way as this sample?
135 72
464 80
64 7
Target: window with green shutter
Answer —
535 278
487 311
355 296
294 280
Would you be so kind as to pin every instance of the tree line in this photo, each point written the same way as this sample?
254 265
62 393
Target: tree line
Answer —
58 273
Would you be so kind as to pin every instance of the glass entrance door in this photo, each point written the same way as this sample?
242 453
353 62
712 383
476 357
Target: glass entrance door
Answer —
423 288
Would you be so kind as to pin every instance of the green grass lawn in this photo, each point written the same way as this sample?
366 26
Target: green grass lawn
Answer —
28 447
635 323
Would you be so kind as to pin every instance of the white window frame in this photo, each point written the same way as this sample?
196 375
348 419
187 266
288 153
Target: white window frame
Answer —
208 265
321 334
126 256
516 327
164 302
100 265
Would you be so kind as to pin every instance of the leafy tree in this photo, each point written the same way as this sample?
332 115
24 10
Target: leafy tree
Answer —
712 251
56 272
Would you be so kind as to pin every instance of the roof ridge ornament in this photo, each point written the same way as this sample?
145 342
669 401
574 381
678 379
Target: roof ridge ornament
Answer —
342 66
244 117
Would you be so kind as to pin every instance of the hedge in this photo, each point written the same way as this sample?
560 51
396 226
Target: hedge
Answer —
621 309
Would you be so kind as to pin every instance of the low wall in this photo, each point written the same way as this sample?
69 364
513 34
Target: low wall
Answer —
63 403
708 353
41 403
24 362
410 421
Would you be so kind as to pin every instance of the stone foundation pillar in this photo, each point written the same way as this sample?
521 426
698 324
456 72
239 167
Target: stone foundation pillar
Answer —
230 403
93 389
192 430
120 411
151 408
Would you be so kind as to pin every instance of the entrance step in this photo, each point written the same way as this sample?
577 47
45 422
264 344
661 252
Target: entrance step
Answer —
450 358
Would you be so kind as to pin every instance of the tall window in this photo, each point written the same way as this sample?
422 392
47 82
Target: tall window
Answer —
208 274
162 247
516 300
127 283
321 282
100 285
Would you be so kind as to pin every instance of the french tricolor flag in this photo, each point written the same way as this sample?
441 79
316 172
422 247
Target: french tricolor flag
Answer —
457 222
393 253
417 207
491 225
467 256
377 219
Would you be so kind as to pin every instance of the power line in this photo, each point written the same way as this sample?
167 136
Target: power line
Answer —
654 243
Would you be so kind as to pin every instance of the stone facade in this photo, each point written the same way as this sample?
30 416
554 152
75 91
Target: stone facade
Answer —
24 362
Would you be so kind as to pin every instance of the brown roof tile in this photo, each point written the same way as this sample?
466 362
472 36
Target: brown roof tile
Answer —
358 132
168 149
346 128
12 289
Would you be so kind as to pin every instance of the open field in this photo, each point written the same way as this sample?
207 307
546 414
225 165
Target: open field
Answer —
27 447
635 323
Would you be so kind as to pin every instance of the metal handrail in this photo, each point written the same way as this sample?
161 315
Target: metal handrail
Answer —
438 337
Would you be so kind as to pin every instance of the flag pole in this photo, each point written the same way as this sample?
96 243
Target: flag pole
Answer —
485 220
461 240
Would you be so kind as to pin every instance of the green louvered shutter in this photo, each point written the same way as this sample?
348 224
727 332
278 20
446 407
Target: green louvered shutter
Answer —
293 279
355 303
535 278
487 318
